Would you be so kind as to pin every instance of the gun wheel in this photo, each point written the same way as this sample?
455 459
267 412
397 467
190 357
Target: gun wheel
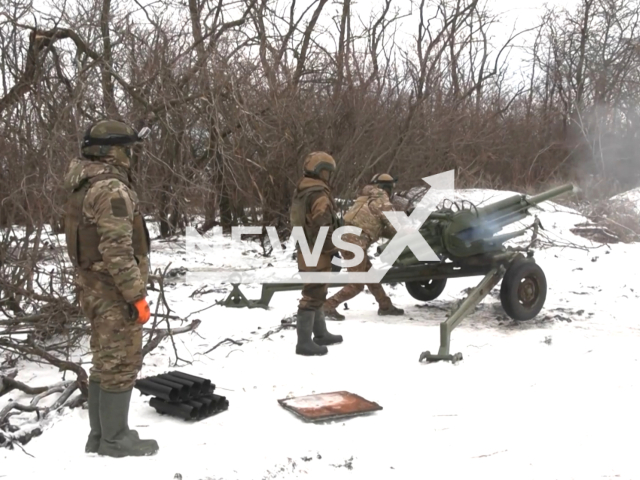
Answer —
523 291
426 290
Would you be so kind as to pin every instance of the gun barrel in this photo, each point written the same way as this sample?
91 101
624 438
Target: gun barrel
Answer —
514 201
549 194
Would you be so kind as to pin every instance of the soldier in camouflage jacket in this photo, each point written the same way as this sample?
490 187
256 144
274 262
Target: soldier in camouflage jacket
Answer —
108 244
313 208
367 213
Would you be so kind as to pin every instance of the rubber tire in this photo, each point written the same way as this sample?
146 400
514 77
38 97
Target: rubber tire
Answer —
419 291
516 273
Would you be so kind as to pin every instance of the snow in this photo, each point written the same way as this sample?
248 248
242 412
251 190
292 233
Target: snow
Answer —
631 196
555 397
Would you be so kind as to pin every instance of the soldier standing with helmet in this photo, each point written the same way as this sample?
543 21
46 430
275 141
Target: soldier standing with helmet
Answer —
108 244
312 208
367 213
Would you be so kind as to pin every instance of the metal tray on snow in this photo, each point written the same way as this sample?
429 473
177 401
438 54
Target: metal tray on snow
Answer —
329 406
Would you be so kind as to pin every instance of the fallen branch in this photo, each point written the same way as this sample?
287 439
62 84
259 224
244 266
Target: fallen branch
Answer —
285 324
7 411
9 383
62 399
66 388
31 349
226 340
596 233
55 389
162 333
9 439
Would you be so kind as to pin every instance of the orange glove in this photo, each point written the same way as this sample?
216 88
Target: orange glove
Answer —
144 313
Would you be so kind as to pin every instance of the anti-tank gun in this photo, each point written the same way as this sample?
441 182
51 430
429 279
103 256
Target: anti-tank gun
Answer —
466 239
461 230
468 242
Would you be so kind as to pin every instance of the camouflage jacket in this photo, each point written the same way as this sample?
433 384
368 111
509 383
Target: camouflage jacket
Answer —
320 211
110 205
367 214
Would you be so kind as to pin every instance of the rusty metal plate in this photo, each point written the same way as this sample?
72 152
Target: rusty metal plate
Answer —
329 406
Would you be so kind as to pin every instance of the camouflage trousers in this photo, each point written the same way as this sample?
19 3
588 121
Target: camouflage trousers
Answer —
116 342
314 294
349 291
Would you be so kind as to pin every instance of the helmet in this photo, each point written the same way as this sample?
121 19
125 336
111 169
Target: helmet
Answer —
384 181
104 134
380 178
316 162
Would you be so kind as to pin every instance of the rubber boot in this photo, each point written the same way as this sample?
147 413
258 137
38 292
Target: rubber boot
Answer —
392 310
331 313
93 442
117 439
304 327
321 335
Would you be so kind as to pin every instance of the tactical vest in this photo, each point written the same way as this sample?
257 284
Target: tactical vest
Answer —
360 202
300 206
82 237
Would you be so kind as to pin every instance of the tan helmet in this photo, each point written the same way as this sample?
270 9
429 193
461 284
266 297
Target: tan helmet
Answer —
316 162
102 135
384 181
383 178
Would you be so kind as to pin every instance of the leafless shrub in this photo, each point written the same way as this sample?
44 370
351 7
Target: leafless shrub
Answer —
610 221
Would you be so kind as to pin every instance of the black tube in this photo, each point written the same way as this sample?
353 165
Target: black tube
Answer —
205 385
181 410
221 402
202 408
183 390
209 403
194 388
148 387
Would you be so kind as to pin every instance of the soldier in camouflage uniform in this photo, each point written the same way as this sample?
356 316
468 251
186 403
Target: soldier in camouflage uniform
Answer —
367 214
108 244
312 208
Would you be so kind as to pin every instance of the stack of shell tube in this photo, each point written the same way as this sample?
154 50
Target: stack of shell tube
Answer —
182 395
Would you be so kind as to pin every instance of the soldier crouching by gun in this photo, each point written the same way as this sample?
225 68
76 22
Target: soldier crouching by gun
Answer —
367 214
108 244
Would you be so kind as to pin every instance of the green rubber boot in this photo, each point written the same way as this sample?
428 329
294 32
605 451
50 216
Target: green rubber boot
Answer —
304 327
117 439
93 402
93 442
320 332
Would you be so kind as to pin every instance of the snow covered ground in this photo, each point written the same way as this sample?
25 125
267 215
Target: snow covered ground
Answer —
632 196
555 397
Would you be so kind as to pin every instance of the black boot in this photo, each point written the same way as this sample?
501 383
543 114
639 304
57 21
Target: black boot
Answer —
117 439
321 335
331 313
304 327
392 310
